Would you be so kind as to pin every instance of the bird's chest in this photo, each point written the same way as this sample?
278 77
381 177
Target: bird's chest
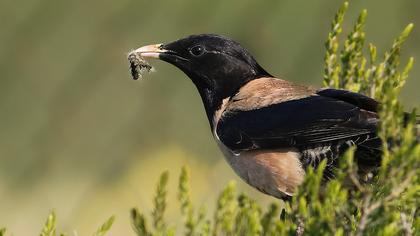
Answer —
274 172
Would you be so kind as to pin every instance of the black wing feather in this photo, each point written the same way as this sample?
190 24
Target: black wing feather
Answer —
332 117
357 99
306 121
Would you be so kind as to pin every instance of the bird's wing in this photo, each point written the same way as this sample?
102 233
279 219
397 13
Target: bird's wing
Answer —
323 118
357 99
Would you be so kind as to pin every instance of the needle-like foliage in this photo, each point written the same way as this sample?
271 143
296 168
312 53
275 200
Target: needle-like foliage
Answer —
384 204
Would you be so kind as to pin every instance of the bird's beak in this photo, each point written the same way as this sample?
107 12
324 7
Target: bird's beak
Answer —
150 51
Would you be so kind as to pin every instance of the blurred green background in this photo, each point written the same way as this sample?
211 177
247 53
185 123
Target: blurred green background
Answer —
79 136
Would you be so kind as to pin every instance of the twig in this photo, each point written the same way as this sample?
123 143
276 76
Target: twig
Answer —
356 181
300 227
406 226
369 208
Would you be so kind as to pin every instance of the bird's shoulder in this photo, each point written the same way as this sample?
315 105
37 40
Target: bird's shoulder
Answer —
266 91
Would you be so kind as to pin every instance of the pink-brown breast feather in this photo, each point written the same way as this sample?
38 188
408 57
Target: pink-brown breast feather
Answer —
275 172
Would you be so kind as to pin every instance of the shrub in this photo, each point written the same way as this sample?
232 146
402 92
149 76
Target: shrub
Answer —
49 228
386 205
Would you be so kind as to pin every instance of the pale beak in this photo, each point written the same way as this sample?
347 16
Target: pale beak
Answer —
150 51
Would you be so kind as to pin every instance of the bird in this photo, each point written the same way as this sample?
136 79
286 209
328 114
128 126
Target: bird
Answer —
271 130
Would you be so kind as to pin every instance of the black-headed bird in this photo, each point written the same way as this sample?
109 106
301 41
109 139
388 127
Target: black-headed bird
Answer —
271 130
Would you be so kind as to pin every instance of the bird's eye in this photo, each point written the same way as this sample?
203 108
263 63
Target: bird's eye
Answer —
197 50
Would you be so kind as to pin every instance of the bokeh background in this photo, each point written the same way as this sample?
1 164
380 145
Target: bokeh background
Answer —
78 136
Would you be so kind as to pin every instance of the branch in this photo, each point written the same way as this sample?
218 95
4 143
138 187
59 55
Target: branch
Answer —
369 208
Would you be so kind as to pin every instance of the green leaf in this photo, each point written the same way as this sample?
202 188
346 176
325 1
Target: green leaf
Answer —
332 68
225 211
186 205
138 221
49 226
105 227
160 203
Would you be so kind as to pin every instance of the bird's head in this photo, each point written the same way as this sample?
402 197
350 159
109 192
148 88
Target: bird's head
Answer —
218 66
